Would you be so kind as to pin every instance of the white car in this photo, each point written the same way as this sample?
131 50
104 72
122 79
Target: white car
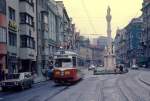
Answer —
134 67
92 67
17 80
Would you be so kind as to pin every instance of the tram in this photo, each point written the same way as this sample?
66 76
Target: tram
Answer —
66 67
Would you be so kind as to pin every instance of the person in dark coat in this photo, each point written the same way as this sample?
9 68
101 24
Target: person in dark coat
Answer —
50 70
121 68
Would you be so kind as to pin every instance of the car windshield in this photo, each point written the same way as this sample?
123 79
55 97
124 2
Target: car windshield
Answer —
63 63
13 76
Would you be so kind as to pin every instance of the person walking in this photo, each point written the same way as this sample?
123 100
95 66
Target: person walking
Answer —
50 70
121 68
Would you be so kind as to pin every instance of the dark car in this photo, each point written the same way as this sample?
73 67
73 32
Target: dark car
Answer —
17 80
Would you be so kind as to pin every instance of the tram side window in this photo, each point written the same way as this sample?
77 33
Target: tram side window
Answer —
58 63
74 61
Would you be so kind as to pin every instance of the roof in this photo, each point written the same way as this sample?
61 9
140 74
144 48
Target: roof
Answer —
65 52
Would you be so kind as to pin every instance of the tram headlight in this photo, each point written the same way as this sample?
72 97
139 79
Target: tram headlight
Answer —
67 72
57 73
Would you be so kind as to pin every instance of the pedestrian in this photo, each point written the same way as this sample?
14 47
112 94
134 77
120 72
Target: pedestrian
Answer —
121 68
50 70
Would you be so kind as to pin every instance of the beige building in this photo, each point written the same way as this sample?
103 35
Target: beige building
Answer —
21 38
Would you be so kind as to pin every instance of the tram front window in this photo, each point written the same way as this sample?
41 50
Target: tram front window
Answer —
65 63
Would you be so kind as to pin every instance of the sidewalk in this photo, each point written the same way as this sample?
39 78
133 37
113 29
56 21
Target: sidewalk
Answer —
145 78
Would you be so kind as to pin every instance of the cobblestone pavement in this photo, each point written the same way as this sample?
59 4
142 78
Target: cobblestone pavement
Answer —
120 87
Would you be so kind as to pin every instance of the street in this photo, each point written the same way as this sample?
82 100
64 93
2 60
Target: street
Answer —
125 87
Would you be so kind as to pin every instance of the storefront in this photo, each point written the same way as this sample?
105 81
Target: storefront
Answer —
12 63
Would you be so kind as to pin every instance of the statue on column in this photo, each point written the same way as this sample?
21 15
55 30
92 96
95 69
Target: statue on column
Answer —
109 58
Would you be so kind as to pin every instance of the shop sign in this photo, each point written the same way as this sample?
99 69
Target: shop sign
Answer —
12 25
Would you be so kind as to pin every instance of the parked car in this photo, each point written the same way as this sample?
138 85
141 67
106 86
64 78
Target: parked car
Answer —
17 80
134 67
92 67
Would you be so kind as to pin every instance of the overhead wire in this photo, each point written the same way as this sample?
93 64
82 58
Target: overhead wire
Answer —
89 19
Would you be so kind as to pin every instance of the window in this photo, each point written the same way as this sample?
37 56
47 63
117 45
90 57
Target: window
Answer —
45 19
26 19
12 15
3 6
12 39
27 42
2 34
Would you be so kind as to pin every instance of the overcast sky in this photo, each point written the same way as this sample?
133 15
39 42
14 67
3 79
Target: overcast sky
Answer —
89 15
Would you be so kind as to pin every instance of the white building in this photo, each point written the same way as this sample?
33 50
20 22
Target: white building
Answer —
28 35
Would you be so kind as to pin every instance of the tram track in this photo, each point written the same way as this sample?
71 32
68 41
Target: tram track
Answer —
100 88
133 95
100 91
56 93
120 90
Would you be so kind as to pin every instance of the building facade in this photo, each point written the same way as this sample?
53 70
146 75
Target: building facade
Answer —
47 28
120 46
128 47
12 12
66 28
102 42
146 32
3 34
31 31
21 35
134 32
54 30
28 35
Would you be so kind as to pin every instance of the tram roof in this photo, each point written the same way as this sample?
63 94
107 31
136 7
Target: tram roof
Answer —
62 52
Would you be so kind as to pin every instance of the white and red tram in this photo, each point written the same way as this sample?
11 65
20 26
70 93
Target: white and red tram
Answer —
66 67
